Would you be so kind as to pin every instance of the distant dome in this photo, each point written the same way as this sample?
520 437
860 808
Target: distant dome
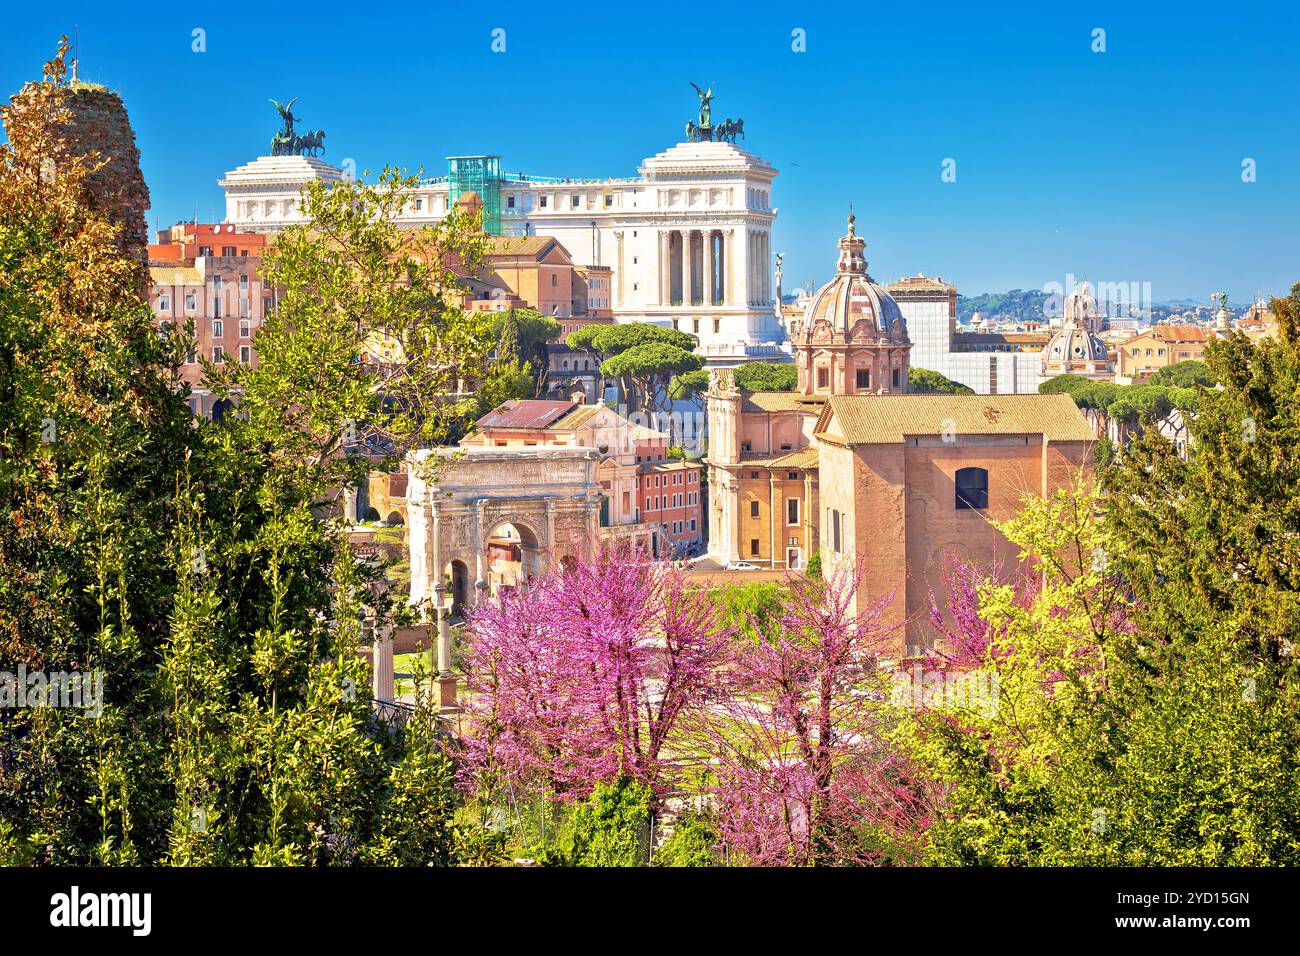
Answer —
1076 348
1073 344
852 298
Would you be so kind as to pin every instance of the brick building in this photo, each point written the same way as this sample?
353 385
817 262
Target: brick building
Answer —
852 466
210 275
1162 346
641 484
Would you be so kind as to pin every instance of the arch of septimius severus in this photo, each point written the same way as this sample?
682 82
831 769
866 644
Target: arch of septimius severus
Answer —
457 499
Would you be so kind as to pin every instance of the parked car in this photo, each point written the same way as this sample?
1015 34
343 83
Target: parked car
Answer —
742 566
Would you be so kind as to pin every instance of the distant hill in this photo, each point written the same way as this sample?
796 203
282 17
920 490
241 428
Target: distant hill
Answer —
1018 305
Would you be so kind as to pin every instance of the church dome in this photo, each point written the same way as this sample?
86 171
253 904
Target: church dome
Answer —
851 303
1075 344
1076 348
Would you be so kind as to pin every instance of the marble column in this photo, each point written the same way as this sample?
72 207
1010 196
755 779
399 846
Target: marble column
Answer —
593 527
729 271
621 270
381 649
480 551
686 265
435 571
708 267
549 547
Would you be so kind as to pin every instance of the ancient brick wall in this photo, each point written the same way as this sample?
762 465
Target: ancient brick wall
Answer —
98 122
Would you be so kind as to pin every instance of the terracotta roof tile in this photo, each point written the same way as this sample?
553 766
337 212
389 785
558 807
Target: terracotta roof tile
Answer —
802 458
778 402
525 413
888 419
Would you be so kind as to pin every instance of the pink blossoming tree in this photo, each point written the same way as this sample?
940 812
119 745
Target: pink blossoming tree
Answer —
582 676
804 774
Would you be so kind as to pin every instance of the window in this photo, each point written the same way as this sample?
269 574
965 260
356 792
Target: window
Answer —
692 524
164 303
542 202
266 304
218 329
218 355
972 489
574 200
835 530
753 547
792 475
228 251
555 280
823 377
609 201
245 354
189 302
510 202
717 326
792 511
897 378
243 282
419 205
863 378
245 329
205 250
753 509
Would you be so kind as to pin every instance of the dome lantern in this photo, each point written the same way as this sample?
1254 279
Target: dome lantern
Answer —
852 337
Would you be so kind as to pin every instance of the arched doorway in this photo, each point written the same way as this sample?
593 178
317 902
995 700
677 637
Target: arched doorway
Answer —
514 555
220 407
455 577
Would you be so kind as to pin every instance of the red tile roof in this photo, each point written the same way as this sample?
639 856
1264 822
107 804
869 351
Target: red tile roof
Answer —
526 413
1182 333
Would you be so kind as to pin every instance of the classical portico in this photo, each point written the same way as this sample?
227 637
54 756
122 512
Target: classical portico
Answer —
688 239
483 517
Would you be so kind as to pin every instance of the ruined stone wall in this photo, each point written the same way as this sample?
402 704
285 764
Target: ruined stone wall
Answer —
99 123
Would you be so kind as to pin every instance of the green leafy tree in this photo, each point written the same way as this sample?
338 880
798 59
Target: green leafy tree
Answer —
1186 374
607 341
522 336
925 381
694 842
192 564
648 367
688 385
751 609
767 376
611 827
814 566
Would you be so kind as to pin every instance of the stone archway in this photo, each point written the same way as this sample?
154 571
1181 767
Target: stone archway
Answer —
504 514
456 579
514 553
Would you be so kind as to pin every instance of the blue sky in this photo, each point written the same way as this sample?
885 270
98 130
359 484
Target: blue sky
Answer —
1124 166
